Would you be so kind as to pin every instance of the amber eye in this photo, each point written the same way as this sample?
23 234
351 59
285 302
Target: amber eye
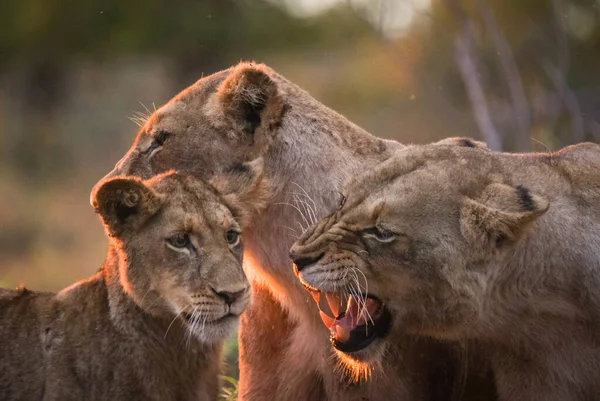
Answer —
380 234
232 237
180 240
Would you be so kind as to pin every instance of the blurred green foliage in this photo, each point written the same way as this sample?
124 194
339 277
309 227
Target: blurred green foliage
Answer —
230 389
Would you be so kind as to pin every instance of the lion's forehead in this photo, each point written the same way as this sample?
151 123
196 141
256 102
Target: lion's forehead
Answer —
198 216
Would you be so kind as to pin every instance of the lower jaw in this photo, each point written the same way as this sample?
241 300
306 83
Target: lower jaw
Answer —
362 345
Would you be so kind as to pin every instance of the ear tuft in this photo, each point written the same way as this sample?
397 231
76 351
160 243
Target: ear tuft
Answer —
124 202
250 96
245 189
501 215
525 198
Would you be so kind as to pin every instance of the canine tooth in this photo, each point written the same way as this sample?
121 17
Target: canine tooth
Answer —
342 333
334 303
316 296
349 303
326 319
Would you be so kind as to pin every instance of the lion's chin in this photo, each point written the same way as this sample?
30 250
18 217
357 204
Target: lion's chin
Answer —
360 365
210 332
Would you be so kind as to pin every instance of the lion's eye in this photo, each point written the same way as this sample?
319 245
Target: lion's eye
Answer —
161 137
380 234
232 237
159 140
180 241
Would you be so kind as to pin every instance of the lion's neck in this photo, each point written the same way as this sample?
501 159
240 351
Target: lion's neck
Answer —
308 164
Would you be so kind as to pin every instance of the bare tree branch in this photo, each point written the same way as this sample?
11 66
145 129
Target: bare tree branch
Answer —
563 59
557 75
519 102
467 65
427 88
569 100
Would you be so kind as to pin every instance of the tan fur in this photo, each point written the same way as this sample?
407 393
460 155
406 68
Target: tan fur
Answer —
498 252
309 151
150 324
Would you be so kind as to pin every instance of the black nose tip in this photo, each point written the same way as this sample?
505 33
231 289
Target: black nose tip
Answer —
302 262
230 297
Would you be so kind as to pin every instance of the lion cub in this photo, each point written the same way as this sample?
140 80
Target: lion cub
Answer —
150 324
497 251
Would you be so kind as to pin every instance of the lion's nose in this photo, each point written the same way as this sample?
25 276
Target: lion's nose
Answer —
302 262
230 297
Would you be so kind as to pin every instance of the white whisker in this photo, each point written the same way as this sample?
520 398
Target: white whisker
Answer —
296 235
305 194
312 210
173 321
299 211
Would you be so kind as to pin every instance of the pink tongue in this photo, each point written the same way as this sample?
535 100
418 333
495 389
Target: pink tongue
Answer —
352 315
342 327
351 318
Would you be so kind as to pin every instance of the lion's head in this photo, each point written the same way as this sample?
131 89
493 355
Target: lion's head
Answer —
220 121
411 245
181 244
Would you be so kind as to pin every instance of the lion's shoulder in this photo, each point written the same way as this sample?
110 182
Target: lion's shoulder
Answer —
20 297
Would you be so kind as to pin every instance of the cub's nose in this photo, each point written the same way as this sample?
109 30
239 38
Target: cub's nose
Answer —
230 297
303 261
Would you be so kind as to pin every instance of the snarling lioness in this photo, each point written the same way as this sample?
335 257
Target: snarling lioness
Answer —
462 244
309 150
150 324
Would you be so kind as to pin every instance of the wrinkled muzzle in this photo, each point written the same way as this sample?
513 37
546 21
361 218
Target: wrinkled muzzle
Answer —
313 242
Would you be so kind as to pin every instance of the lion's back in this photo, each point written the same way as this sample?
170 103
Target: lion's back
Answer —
21 348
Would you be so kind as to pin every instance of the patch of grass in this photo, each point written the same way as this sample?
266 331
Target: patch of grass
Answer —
230 389
230 353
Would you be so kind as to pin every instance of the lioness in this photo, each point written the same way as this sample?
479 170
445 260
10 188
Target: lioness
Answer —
150 324
309 151
498 250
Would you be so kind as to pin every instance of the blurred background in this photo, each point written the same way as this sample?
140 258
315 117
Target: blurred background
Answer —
520 74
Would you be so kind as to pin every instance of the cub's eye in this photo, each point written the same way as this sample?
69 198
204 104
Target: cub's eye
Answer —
180 241
232 237
380 234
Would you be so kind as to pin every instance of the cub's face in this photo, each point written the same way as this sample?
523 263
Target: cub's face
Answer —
411 248
183 249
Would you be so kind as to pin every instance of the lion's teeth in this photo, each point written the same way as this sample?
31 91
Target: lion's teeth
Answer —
326 319
316 296
362 318
334 303
343 334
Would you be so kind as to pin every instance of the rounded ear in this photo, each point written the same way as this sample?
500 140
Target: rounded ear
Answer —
500 216
245 189
124 203
251 98
463 142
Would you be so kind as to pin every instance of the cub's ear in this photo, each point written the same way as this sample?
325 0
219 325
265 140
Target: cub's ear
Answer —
500 215
124 203
463 142
245 189
251 98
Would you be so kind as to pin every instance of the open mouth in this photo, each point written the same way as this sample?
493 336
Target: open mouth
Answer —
354 321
